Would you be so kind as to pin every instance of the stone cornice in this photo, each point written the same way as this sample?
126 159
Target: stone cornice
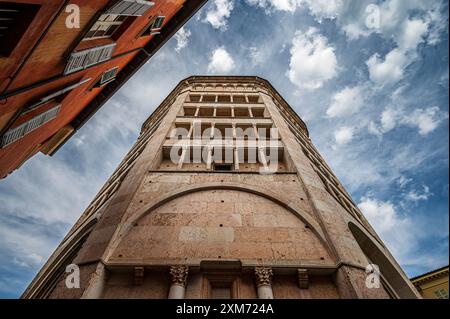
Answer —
262 83
431 276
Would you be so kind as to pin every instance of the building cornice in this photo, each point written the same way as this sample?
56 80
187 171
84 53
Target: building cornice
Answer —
430 276
263 83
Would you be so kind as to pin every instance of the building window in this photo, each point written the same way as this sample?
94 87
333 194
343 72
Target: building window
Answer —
258 112
239 99
86 58
15 18
209 98
107 77
154 27
441 294
130 7
105 26
253 99
189 111
241 112
20 131
223 167
194 98
224 99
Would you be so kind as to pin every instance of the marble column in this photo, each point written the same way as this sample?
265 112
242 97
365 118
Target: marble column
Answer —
264 282
179 278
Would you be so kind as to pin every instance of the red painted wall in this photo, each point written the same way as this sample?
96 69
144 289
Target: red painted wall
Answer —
48 60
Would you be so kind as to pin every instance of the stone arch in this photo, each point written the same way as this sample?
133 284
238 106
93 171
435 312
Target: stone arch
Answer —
48 276
275 198
389 268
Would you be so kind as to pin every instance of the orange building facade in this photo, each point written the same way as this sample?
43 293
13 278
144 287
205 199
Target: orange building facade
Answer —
61 60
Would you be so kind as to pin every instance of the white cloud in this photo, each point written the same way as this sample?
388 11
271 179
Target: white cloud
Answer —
408 35
425 120
325 9
280 5
182 37
387 71
354 31
221 61
394 229
256 56
343 135
346 102
411 34
406 32
313 61
403 234
403 181
321 9
416 196
218 13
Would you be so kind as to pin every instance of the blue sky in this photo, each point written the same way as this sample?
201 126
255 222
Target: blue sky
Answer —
374 97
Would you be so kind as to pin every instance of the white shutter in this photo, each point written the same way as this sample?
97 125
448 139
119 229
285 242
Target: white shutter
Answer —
158 22
83 59
17 133
130 7
108 75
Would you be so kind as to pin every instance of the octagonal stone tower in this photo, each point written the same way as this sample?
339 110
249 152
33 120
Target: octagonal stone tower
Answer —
222 196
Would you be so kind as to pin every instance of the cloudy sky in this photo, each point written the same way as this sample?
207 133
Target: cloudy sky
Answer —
369 78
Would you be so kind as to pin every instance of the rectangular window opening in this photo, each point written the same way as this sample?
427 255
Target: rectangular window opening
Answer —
209 98
154 27
223 112
194 98
223 167
189 111
15 19
239 99
253 99
224 98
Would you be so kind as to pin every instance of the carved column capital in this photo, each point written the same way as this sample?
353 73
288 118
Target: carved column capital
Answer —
263 276
179 275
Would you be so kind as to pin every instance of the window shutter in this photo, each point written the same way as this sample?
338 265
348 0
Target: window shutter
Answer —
17 133
83 59
108 76
130 7
158 22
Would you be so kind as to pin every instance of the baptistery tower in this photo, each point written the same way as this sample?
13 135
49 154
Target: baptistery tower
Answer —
223 195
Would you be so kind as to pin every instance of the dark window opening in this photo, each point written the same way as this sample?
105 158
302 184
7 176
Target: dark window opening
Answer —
223 112
189 111
209 98
154 27
194 98
15 18
258 112
224 98
223 167
253 99
107 77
